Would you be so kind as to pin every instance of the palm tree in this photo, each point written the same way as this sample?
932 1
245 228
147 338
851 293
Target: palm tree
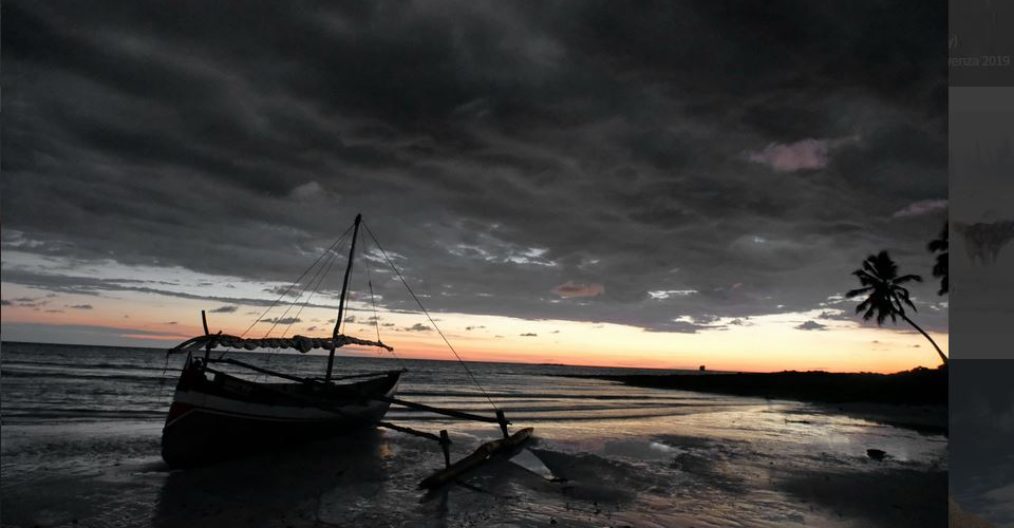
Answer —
939 246
887 297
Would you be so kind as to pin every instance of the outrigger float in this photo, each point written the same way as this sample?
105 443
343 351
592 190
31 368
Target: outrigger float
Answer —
215 414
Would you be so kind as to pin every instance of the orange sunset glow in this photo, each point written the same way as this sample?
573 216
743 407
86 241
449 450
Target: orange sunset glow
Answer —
767 343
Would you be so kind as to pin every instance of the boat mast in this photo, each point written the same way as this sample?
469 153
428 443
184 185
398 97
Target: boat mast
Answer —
341 301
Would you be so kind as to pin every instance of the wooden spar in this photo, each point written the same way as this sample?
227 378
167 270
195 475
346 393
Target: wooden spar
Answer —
368 374
437 410
262 370
409 430
483 454
341 301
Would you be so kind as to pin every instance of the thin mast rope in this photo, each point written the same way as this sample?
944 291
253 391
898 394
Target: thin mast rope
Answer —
376 318
323 276
329 262
342 325
348 305
316 277
318 273
286 292
428 316
319 277
373 301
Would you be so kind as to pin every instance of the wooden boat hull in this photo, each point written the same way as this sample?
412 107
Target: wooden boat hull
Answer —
213 418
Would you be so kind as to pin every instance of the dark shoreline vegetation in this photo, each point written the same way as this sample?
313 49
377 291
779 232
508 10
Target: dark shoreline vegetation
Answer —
920 386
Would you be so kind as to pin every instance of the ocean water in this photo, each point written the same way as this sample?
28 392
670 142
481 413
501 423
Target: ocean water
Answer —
44 384
81 429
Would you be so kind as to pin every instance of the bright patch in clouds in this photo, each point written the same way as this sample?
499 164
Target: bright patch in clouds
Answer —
921 208
572 289
807 154
660 295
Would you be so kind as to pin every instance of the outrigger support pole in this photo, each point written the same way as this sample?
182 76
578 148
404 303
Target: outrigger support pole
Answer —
408 430
502 420
446 412
445 445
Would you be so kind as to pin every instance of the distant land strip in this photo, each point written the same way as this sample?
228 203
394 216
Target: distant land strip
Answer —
914 387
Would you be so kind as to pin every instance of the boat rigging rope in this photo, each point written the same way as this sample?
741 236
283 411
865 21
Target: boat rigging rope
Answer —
278 320
319 277
294 283
373 300
376 318
329 251
428 316
330 263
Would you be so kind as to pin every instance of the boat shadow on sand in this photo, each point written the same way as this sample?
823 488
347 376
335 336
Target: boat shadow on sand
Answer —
365 478
372 477
284 487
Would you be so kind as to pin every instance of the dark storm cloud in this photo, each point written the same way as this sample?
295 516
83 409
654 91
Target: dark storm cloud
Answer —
281 320
556 160
418 327
82 285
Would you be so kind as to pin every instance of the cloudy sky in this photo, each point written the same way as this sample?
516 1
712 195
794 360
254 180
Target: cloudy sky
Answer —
674 184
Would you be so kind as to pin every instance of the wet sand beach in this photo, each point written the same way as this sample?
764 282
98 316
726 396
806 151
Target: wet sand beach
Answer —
621 456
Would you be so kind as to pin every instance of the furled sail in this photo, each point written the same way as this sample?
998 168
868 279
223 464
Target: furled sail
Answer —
300 343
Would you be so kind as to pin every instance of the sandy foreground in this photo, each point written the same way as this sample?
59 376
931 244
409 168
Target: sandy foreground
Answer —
769 465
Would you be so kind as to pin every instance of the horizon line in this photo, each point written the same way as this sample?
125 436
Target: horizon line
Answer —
2 342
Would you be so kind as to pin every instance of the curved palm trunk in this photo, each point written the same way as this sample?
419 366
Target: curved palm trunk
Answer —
943 358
